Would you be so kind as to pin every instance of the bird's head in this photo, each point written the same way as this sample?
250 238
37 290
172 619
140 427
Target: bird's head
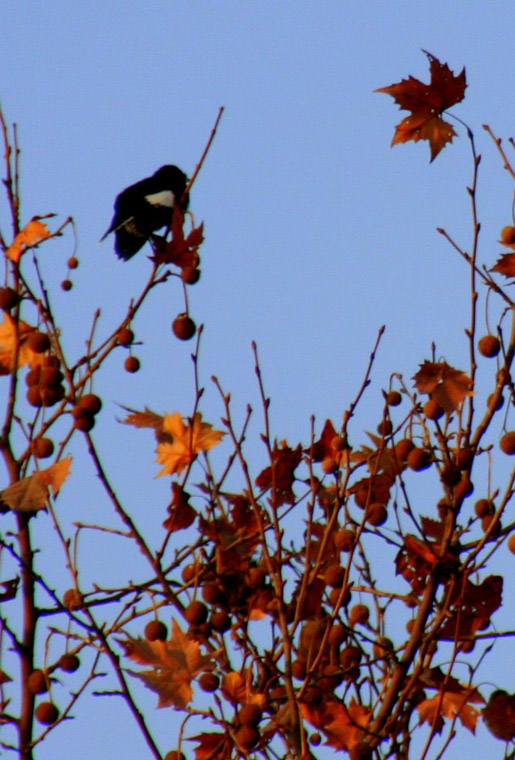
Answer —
171 176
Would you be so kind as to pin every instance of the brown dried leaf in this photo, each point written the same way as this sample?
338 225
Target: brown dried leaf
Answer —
145 419
417 560
379 459
181 251
343 726
281 474
451 705
443 383
10 588
432 528
377 487
471 607
213 746
235 544
31 494
322 448
175 662
180 510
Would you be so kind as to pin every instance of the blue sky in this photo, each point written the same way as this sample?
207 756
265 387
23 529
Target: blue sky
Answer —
317 233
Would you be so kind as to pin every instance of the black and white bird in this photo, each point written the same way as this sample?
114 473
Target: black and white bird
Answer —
145 207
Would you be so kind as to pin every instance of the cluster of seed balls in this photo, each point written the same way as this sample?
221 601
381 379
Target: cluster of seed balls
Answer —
452 474
343 664
197 615
45 389
39 681
183 327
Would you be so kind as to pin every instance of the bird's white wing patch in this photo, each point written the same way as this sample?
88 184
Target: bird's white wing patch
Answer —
163 198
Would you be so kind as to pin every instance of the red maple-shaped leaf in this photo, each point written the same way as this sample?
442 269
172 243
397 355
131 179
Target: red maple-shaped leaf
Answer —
427 102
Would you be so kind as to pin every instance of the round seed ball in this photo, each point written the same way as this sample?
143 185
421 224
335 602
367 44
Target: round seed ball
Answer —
507 443
69 663
46 713
184 327
489 346
156 630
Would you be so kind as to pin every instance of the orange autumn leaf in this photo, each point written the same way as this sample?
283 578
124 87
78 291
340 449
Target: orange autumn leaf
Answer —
451 705
234 687
343 726
505 265
349 733
213 746
448 386
452 700
376 488
184 441
427 102
31 494
10 337
31 235
175 663
260 603
237 688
